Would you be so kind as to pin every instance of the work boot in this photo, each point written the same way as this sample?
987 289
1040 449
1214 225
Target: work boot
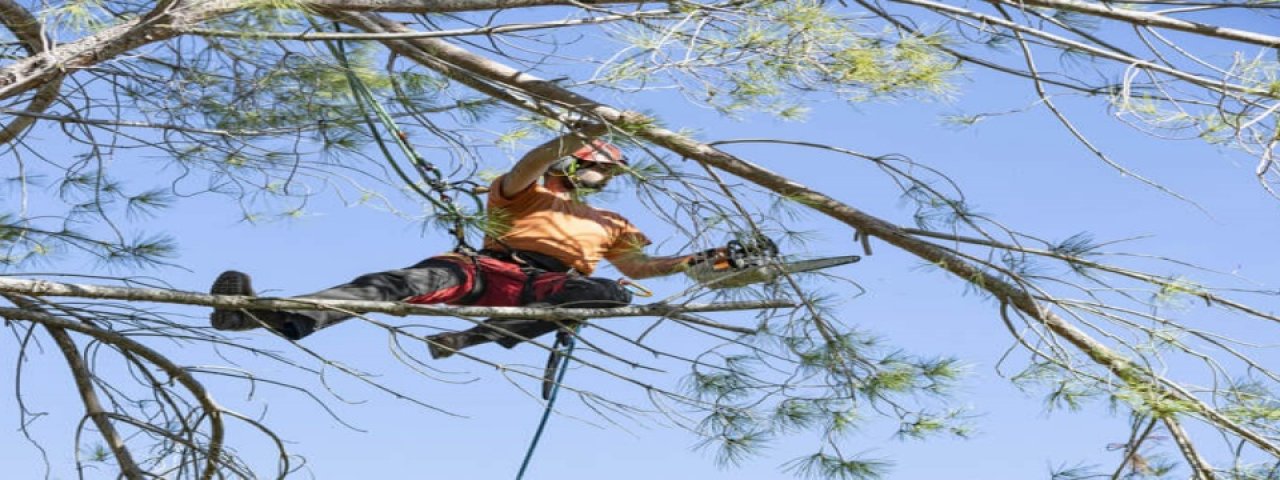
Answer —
232 282
444 345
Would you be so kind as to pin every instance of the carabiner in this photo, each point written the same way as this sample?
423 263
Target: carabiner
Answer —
635 288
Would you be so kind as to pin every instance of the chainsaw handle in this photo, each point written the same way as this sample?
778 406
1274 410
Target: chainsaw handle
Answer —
708 255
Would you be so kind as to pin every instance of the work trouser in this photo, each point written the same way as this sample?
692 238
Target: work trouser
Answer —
450 279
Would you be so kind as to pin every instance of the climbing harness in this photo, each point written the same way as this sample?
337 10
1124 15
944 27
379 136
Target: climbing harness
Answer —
754 259
557 363
635 288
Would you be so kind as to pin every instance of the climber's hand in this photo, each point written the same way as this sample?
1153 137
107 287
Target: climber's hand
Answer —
711 255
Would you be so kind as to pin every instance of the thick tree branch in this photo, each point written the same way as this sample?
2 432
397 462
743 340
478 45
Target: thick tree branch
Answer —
485 30
1137 17
106 44
484 72
26 27
41 288
449 6
114 41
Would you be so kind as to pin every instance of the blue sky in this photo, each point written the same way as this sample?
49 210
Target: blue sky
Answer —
1023 170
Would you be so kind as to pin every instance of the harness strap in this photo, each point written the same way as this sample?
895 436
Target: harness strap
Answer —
528 259
477 279
528 292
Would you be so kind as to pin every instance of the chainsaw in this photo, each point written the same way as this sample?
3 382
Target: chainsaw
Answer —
753 260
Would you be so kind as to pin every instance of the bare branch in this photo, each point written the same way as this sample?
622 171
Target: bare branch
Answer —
447 6
1137 17
84 383
1208 83
489 30
41 288
214 450
1201 470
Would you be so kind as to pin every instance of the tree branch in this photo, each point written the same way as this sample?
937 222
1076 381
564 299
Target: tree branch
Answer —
1208 83
42 288
26 27
105 45
111 42
214 450
486 30
1201 470
84 383
450 6
1137 17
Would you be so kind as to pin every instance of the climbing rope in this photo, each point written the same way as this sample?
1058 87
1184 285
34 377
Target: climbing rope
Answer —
431 175
557 364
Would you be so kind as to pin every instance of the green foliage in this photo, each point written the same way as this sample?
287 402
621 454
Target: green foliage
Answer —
78 16
1176 292
148 203
757 61
1252 403
98 453
1074 472
794 414
1065 391
823 465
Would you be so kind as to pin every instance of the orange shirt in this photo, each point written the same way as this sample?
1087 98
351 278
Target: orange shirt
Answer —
542 221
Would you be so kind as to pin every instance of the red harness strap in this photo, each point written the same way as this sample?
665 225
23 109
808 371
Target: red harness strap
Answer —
503 284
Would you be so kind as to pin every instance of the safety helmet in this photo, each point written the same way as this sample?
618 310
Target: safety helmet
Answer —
598 151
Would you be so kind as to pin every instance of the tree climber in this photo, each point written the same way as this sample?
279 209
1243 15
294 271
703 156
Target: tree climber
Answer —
550 241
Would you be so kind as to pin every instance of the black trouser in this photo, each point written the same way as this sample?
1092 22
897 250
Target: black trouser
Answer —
427 276
434 275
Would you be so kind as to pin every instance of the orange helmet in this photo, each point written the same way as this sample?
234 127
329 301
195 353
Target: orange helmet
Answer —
600 151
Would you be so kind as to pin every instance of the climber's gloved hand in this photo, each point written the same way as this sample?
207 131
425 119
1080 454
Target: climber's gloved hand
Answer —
711 255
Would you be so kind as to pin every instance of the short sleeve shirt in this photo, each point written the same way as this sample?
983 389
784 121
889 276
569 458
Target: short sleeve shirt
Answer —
542 221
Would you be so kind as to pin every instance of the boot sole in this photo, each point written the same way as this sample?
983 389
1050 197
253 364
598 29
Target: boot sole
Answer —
232 282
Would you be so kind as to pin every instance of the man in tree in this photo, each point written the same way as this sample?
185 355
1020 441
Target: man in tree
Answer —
550 241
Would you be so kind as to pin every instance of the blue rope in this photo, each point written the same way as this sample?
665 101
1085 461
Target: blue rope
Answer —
551 401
